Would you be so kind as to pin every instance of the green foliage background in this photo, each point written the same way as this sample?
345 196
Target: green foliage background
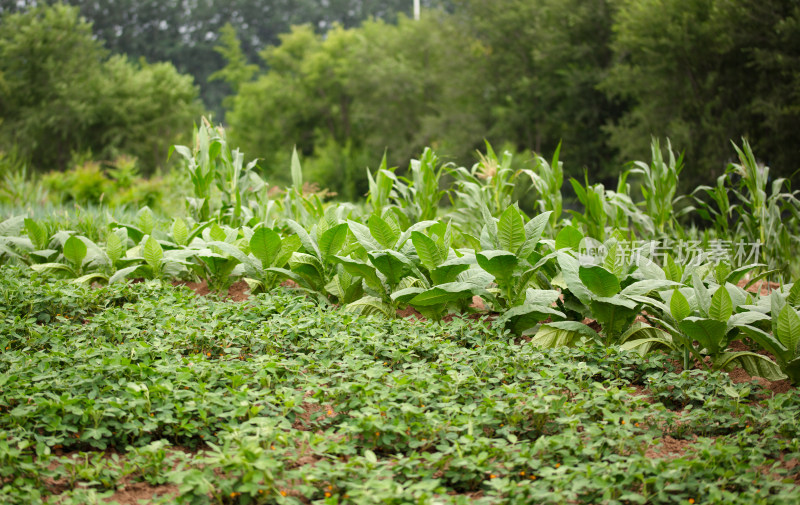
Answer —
347 80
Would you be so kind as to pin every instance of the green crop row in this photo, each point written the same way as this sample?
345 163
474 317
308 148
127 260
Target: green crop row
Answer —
540 276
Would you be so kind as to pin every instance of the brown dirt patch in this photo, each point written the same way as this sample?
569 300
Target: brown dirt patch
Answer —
591 323
304 421
760 287
238 291
644 393
668 448
132 492
410 312
477 303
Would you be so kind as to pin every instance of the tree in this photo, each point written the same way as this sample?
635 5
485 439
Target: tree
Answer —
705 72
63 96
366 90
544 61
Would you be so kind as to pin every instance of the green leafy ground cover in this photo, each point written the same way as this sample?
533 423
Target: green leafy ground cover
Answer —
281 400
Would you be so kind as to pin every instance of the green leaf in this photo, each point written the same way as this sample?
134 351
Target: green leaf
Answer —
614 314
265 244
289 246
217 233
123 273
36 233
12 226
305 238
114 247
640 288
332 240
370 305
511 230
521 318
74 250
569 270
789 329
88 278
672 270
444 293
382 232
599 280
427 250
180 232
678 306
563 333
360 269
146 220
307 266
642 338
569 238
701 293
391 264
363 236
52 267
406 294
499 263
721 306
450 269
536 226
794 294
754 364
710 333
297 172
153 253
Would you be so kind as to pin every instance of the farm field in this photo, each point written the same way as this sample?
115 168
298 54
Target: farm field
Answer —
439 342
147 391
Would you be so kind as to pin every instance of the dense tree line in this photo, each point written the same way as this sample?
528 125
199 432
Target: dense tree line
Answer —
185 32
62 96
347 80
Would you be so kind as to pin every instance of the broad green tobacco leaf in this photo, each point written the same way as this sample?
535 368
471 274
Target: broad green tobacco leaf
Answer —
500 264
152 253
563 333
382 232
511 230
721 307
36 233
180 232
265 244
332 240
114 247
427 250
74 250
569 238
679 306
708 332
600 281
789 329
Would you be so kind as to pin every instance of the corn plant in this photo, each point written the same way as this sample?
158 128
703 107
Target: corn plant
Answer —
418 194
722 213
762 211
659 186
548 178
380 187
212 164
490 183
